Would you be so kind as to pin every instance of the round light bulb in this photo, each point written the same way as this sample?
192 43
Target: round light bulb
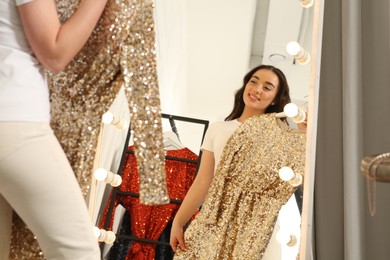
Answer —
283 237
297 181
123 124
96 231
293 240
306 3
108 117
286 173
286 238
101 174
293 48
105 236
291 110
300 55
117 180
110 238
102 236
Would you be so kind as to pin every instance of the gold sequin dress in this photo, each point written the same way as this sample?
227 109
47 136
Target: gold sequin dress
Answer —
120 53
244 199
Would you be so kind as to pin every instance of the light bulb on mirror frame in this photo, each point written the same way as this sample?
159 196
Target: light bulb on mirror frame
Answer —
298 52
96 231
285 238
108 177
306 3
109 118
295 113
105 236
291 110
288 175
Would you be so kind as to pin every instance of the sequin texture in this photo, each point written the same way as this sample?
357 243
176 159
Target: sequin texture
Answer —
121 51
244 199
150 221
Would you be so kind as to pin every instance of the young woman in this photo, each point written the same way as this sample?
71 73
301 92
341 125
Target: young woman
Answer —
264 91
36 179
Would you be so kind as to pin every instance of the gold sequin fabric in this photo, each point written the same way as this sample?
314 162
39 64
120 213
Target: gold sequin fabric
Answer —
120 52
244 199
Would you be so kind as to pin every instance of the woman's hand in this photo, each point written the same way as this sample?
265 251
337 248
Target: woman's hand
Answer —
303 125
177 237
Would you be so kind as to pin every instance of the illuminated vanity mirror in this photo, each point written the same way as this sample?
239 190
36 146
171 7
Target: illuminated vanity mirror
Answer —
204 48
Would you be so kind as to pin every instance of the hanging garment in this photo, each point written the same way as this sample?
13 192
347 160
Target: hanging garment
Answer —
246 194
164 252
119 249
120 52
150 221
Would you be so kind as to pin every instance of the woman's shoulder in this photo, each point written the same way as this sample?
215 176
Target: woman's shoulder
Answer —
225 123
218 126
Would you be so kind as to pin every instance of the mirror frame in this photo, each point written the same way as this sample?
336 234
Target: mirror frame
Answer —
307 221
306 236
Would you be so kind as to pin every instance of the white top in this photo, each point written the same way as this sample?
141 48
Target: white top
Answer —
217 136
24 93
289 218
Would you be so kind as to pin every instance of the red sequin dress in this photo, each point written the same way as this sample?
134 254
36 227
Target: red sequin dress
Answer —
150 221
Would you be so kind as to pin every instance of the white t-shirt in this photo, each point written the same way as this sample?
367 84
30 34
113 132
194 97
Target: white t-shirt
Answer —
24 93
217 136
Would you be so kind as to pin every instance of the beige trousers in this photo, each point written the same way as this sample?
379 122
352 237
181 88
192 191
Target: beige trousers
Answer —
37 182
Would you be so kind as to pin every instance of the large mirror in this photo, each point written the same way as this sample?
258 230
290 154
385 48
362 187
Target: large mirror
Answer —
204 49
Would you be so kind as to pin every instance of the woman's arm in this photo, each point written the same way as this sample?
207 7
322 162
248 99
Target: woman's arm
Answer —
193 199
55 44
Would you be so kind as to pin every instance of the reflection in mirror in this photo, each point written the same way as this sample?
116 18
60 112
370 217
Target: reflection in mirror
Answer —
204 49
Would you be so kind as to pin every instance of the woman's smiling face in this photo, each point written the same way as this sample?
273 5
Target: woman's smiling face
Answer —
261 90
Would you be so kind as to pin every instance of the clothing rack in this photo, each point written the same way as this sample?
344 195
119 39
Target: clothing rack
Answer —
173 127
170 158
115 190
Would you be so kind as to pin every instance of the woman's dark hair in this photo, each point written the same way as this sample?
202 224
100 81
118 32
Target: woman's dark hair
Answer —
282 97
